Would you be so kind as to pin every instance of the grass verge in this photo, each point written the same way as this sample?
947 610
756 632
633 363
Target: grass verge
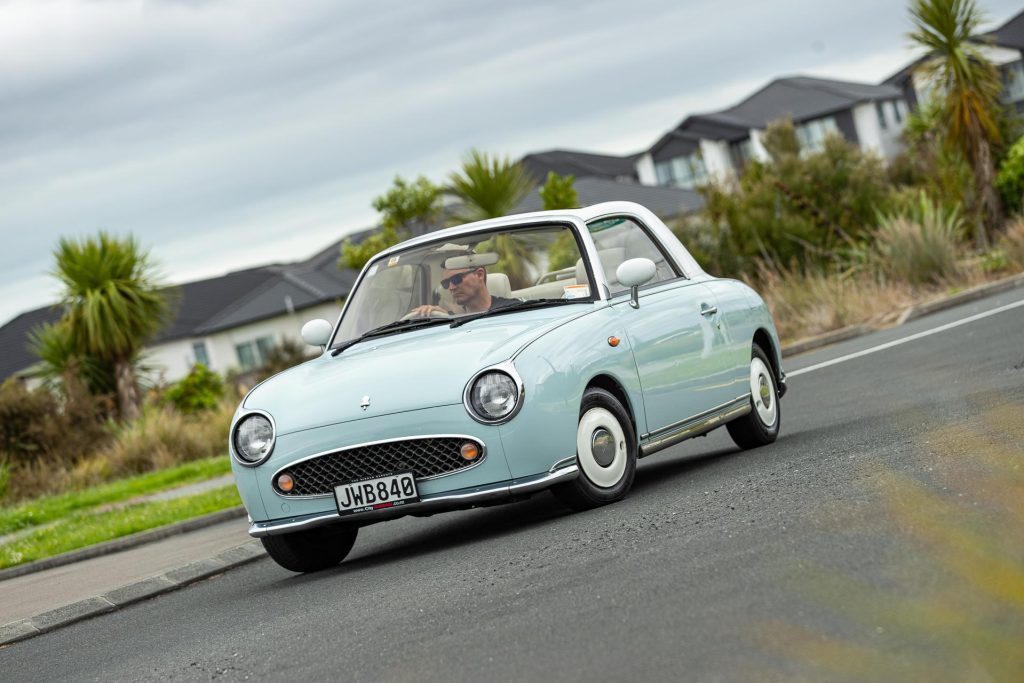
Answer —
49 508
85 528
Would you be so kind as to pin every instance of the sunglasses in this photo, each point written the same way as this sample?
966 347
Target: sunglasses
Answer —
455 279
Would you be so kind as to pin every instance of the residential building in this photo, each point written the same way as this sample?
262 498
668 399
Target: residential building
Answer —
227 323
717 145
579 165
1004 47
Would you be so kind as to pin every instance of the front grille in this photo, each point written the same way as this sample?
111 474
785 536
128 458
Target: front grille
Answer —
427 457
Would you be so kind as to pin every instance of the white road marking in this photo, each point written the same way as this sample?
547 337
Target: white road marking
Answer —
904 340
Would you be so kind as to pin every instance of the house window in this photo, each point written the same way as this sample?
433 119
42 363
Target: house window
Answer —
252 354
900 109
685 171
742 152
199 351
1013 81
811 135
880 109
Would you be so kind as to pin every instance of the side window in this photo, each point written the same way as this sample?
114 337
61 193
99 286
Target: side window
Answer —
619 239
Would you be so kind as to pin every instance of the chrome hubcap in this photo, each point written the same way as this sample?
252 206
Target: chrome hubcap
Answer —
602 445
762 390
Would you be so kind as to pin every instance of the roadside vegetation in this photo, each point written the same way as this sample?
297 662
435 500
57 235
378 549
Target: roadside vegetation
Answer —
83 528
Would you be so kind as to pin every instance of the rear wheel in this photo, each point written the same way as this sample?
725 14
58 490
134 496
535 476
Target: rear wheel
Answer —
760 426
311 550
605 453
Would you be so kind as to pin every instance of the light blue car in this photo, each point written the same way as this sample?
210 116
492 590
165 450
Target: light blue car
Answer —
484 363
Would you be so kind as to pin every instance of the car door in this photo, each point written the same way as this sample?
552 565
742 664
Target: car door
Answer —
674 334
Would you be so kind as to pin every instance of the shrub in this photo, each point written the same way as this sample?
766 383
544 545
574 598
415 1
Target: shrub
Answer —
805 303
799 207
920 246
1010 179
202 389
1011 242
159 438
35 425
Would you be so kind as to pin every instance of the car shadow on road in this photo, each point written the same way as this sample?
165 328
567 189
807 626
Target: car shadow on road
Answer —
468 527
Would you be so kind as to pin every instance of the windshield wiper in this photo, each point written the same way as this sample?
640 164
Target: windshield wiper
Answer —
518 306
387 329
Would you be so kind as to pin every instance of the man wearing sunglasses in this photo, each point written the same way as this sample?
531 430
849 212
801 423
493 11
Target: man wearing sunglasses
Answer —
468 287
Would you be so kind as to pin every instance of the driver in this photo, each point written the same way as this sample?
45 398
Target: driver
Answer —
468 287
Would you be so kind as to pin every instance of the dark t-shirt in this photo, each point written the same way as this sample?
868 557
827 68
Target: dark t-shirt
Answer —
501 302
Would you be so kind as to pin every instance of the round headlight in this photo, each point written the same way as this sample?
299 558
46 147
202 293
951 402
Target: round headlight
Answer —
254 438
493 396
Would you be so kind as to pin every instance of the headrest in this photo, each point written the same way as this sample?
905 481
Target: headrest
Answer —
639 245
610 260
498 285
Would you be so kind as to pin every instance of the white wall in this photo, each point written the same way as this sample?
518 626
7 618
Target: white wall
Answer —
884 142
645 170
717 159
757 150
174 359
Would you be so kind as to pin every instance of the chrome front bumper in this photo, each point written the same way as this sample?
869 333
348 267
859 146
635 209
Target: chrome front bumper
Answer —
438 502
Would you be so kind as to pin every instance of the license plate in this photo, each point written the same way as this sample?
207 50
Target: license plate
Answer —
393 490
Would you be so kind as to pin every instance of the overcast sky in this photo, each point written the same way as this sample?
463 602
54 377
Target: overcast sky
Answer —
233 133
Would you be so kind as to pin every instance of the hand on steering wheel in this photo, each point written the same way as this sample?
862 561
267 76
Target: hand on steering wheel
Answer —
426 311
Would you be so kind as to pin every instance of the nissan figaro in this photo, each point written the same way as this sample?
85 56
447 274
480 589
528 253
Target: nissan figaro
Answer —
480 364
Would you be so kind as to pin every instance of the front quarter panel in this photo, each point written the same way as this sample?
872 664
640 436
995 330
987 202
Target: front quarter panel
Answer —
555 370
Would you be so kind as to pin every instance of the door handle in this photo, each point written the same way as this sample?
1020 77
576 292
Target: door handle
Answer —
705 309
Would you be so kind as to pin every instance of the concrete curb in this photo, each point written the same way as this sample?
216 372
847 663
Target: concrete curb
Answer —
911 313
833 337
968 295
123 543
132 593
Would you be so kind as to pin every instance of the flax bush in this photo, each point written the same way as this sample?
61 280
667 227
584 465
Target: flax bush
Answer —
921 244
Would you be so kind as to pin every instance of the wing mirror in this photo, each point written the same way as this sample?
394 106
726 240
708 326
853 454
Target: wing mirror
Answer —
317 332
633 273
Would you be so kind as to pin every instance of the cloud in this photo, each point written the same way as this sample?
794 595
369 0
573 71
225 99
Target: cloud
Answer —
227 133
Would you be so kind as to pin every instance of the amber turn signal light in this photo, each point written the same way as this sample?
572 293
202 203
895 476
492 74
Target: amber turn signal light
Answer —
285 482
613 341
469 451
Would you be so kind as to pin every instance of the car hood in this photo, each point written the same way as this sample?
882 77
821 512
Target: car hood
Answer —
404 371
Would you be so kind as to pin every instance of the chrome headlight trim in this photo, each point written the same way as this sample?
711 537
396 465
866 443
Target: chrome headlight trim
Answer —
234 433
506 368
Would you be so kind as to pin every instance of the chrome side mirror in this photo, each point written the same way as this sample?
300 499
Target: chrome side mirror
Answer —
633 273
317 332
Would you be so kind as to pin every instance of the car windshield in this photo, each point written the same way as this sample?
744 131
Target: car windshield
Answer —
463 276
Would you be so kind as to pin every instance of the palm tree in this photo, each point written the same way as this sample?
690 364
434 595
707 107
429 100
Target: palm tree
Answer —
969 87
490 188
113 305
62 367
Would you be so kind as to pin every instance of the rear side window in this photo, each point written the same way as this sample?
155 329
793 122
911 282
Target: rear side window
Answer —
618 239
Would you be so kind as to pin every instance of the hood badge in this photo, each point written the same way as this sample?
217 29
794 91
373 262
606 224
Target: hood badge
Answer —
365 403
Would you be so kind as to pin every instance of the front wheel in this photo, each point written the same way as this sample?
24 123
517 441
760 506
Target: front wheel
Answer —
311 550
605 453
760 426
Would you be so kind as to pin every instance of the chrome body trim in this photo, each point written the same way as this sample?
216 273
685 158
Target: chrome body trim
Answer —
564 462
231 438
439 502
694 426
479 442
506 367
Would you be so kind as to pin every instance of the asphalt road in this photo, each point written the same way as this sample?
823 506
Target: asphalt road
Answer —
812 558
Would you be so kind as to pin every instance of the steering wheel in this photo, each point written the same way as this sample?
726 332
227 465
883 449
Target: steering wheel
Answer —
434 313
